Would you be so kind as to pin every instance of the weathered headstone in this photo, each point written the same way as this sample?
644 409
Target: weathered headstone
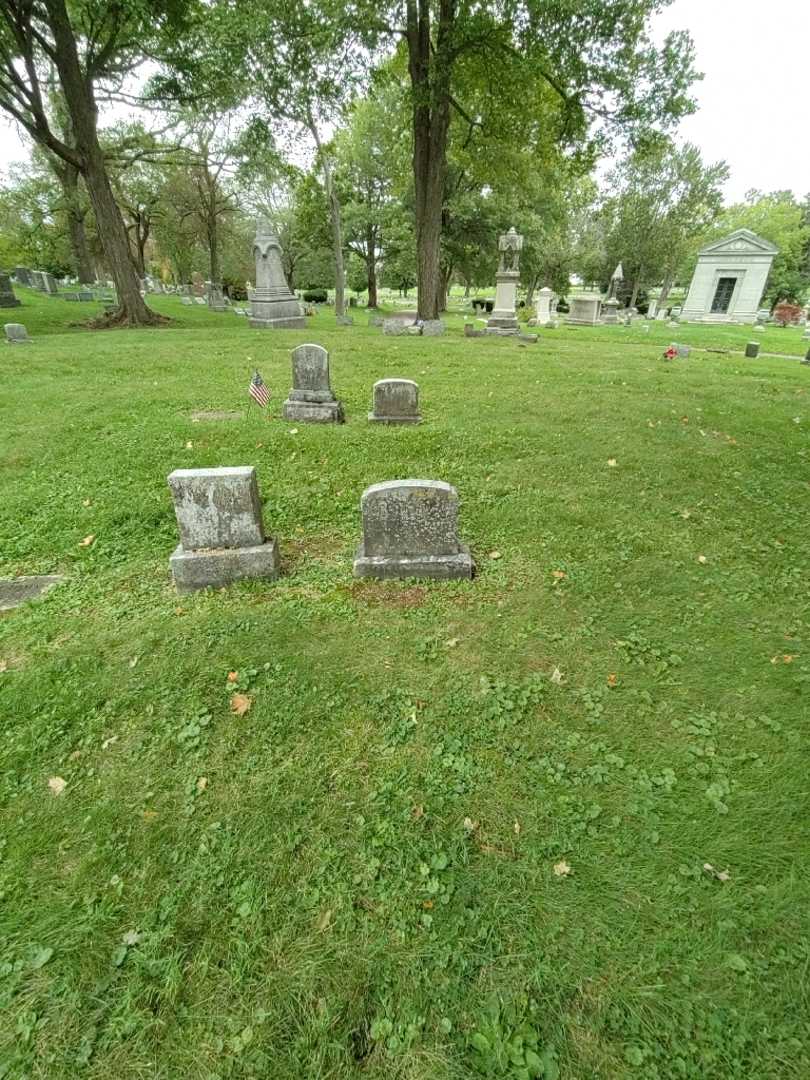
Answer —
311 399
222 536
201 301
23 275
273 306
7 297
503 319
432 327
584 310
17 591
214 296
344 320
542 306
610 312
752 350
16 334
396 401
683 351
86 295
49 282
410 529
396 326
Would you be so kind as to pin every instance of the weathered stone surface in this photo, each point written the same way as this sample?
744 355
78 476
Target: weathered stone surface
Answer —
214 296
683 351
272 305
86 295
201 301
23 275
396 326
217 508
584 310
17 591
375 320
187 301
16 334
193 570
542 306
752 350
396 401
311 399
344 320
503 319
410 529
215 414
49 283
610 312
527 338
7 297
472 331
432 328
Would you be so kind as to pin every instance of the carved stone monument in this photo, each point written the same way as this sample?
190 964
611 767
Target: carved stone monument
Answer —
222 536
410 529
311 399
584 310
272 303
503 319
396 401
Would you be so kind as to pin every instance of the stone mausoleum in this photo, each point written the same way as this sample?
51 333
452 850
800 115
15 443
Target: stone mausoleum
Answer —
729 279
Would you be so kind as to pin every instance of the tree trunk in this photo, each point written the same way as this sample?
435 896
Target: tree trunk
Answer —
213 248
371 272
82 263
81 104
634 293
530 292
664 294
337 239
430 73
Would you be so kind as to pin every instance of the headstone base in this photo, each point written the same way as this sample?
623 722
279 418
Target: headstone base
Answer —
215 567
504 327
313 412
439 567
292 322
374 419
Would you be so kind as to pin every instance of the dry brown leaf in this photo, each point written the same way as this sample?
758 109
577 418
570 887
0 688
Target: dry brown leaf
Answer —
149 815
418 812
562 869
88 540
57 785
202 784
189 446
240 704
469 825
324 919
702 559
558 574
86 502
451 644
612 679
721 875
108 742
516 827
233 676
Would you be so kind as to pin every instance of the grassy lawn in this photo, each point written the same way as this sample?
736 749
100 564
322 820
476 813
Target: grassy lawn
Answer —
461 830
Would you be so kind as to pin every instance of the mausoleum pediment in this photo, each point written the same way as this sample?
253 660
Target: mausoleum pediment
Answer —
741 242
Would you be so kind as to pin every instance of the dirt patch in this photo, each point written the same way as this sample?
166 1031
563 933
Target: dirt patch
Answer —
387 594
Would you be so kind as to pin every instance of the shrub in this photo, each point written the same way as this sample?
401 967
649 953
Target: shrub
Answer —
316 296
786 314
233 288
487 305
562 306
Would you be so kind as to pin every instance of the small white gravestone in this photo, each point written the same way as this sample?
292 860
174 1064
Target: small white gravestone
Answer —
542 309
16 334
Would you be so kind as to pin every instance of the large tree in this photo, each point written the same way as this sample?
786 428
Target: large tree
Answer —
87 44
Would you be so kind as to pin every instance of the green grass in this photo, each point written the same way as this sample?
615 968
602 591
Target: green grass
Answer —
356 878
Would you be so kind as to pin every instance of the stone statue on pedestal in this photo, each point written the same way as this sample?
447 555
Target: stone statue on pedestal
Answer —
504 318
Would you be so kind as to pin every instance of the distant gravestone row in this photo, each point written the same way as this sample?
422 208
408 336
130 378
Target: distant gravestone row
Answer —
409 527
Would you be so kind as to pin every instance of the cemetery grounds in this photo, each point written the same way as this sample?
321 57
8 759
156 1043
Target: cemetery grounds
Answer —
548 823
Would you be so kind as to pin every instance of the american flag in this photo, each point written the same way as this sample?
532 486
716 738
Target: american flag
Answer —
258 390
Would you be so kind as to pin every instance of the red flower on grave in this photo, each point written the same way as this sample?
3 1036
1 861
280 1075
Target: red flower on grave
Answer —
670 353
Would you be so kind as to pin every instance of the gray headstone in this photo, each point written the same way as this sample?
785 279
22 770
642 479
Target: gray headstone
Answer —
49 284
410 529
752 350
186 301
16 334
200 300
375 320
17 591
683 350
396 326
311 399
273 306
86 295
344 320
214 296
7 297
23 275
432 328
396 401
222 536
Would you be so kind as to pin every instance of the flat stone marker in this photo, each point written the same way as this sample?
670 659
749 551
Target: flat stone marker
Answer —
186 301
683 351
16 334
201 300
215 414
410 529
752 350
432 328
17 591
396 326
222 536
396 401
344 320
311 399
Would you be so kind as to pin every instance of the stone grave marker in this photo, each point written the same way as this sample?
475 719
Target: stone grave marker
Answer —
395 326
311 399
49 284
23 275
752 350
584 310
344 320
16 334
200 300
683 351
375 320
187 301
7 297
470 330
396 401
273 306
410 529
214 296
432 327
17 591
222 537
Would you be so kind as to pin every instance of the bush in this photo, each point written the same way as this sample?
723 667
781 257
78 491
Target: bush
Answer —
234 289
786 314
562 306
487 305
316 296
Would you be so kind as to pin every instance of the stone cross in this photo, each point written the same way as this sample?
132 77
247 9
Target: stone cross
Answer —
396 401
273 306
16 334
311 399
410 529
222 536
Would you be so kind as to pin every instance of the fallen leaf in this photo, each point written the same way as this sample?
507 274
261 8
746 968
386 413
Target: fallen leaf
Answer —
558 574
451 644
88 540
702 559
240 704
233 676
612 679
202 784
189 445
686 514
179 611
469 825
562 869
149 815
324 919
130 938
721 875
293 431
612 462
3 666
788 658
109 742
57 785
556 675
86 502
418 812
427 904
495 555
517 828
134 661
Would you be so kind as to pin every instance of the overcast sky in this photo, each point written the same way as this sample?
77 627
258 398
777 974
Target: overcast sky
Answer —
752 104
